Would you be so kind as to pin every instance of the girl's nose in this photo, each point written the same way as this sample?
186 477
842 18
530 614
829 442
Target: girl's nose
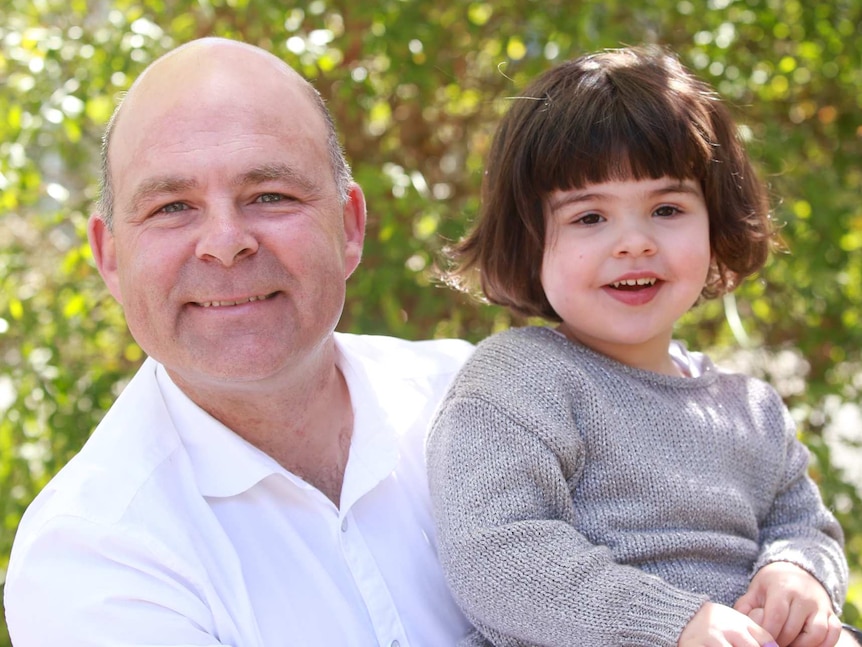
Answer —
635 240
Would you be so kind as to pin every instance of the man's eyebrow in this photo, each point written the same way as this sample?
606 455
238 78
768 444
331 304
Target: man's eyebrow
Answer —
159 186
170 184
276 172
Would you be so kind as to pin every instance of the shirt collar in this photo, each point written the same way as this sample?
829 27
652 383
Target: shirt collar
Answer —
226 465
373 447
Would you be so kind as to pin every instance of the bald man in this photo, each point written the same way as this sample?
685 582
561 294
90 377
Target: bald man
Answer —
260 481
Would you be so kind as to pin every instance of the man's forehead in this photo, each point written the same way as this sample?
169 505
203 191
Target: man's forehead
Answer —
215 109
215 74
177 102
193 58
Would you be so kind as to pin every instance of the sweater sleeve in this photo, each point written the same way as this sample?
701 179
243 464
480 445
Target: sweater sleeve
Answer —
523 574
799 528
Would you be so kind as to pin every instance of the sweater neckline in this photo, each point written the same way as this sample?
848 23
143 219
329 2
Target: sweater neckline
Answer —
708 371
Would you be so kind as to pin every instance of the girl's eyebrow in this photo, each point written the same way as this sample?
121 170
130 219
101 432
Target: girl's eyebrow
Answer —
574 197
569 197
682 186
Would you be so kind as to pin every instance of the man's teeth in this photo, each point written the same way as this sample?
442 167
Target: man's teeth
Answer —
632 283
207 304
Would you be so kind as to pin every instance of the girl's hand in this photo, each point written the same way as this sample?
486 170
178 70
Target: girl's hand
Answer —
715 625
792 605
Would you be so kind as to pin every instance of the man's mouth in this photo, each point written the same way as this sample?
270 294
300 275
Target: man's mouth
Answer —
634 284
210 304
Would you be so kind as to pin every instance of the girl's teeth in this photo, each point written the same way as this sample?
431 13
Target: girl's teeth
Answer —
631 283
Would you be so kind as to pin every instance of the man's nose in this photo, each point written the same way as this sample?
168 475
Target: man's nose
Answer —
226 236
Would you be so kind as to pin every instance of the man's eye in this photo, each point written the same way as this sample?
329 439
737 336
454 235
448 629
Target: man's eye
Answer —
174 207
271 197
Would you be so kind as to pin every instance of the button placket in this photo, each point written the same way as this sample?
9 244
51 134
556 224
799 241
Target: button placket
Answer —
369 581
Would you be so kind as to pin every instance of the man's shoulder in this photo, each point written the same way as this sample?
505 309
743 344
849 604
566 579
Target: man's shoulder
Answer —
129 485
402 356
131 442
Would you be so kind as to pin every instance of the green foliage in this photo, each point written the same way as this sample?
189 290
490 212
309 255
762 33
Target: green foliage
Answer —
416 88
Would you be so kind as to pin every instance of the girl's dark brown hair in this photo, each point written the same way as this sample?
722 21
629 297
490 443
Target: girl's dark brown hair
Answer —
619 114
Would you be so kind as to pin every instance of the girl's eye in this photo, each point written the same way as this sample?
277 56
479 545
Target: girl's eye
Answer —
589 219
666 211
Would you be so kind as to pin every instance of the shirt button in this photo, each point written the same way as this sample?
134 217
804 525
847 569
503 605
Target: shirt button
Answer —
395 643
344 529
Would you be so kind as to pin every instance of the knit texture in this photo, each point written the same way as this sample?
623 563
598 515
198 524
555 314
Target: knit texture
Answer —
580 501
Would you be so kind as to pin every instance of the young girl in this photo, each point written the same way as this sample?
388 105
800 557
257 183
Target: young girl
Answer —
596 483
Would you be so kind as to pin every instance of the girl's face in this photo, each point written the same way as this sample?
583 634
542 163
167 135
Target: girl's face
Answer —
623 261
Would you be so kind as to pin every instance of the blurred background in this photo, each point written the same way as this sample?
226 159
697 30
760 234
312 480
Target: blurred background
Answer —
416 88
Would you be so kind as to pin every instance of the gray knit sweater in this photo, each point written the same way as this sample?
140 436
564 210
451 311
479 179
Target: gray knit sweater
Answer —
580 501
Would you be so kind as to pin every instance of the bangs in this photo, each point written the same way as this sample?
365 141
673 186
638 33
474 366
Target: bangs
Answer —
631 132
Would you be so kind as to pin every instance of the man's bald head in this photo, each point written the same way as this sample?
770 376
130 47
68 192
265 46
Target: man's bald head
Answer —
224 66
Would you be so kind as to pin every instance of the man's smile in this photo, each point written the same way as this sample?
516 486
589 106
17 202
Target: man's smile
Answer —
210 304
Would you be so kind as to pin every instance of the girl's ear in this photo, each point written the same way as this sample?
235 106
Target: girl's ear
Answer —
714 279
104 253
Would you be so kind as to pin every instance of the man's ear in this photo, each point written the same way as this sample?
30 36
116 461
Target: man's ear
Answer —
354 228
104 253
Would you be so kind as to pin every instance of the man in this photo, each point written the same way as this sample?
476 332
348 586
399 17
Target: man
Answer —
261 479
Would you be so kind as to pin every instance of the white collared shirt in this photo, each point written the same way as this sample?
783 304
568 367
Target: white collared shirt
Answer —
169 529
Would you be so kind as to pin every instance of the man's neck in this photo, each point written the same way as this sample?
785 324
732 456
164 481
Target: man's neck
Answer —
304 420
